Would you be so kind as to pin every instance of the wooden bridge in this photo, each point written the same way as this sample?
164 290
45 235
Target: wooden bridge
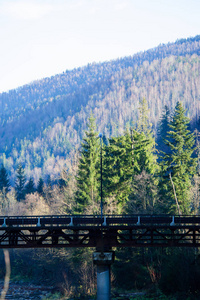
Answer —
100 232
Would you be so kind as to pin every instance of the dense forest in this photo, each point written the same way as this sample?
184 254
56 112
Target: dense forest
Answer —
140 173
41 123
147 108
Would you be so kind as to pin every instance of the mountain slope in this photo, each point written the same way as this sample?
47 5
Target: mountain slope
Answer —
43 121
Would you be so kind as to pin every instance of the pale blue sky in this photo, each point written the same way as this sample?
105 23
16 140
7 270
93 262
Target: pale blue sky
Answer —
40 38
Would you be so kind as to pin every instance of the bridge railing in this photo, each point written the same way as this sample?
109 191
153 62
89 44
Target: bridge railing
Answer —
96 220
45 220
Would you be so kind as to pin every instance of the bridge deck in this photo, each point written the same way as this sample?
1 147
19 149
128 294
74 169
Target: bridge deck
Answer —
94 231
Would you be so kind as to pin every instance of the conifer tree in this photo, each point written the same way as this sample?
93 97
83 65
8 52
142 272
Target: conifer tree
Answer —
163 128
144 153
144 164
129 159
40 186
4 181
89 169
20 183
178 165
144 143
118 169
30 187
144 184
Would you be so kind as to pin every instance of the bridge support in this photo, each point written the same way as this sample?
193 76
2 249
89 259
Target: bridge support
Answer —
103 260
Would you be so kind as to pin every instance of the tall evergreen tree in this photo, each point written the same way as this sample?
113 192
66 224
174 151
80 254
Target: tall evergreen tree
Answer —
89 169
144 164
118 169
144 153
20 183
40 186
163 128
144 142
178 164
4 181
30 187
144 184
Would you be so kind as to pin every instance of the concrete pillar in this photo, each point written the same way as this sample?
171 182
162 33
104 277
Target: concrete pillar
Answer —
103 262
103 282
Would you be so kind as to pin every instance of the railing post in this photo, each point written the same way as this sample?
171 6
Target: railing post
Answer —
38 223
138 222
172 222
104 221
4 223
71 222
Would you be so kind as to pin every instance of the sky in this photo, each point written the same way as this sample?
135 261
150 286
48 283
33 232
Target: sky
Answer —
41 38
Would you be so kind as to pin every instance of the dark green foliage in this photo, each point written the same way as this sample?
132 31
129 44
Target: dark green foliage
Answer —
178 163
143 142
144 160
40 186
144 153
30 186
20 183
143 186
4 180
163 128
118 169
88 177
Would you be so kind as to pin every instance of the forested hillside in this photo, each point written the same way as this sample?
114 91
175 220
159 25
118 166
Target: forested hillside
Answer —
42 122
